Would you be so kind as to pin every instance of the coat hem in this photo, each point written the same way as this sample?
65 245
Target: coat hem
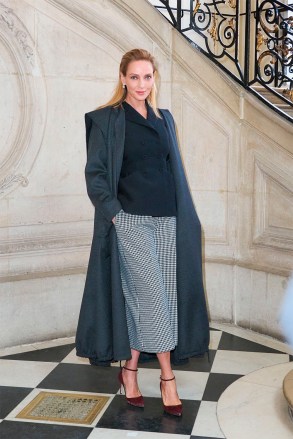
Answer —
97 359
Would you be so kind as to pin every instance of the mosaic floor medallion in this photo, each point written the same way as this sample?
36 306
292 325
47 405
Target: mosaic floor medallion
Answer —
64 407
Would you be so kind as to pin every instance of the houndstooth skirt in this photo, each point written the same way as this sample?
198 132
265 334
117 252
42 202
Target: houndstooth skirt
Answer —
147 254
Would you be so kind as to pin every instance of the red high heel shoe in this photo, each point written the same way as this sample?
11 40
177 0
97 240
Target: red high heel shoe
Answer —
175 410
136 401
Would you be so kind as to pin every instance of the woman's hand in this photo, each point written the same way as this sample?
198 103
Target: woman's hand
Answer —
114 219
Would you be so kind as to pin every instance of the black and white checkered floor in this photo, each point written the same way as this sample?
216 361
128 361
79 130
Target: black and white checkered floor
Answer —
200 384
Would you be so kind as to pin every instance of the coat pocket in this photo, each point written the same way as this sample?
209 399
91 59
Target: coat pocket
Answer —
101 225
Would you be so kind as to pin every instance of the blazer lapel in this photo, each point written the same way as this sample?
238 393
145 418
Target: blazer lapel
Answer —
134 116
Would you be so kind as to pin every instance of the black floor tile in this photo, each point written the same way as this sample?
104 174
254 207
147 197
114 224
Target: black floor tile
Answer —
82 378
231 342
199 364
54 355
30 430
195 364
151 418
216 384
203 437
10 397
146 358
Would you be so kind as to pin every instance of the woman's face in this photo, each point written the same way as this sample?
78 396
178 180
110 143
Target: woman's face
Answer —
139 80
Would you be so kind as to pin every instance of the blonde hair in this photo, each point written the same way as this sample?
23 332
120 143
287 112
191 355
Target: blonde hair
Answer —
120 93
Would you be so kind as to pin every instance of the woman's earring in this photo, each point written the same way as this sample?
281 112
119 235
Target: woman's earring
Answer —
124 86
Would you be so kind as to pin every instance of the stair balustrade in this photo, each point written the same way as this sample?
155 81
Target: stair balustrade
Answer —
252 41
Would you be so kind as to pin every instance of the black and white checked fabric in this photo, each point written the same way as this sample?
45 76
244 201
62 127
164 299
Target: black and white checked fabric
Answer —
147 251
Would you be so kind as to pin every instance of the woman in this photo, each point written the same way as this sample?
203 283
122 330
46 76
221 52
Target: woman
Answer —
144 290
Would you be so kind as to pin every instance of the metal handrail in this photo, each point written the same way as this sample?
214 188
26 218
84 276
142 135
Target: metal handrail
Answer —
252 41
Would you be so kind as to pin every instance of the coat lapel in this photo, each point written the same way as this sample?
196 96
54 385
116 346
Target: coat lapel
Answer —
118 150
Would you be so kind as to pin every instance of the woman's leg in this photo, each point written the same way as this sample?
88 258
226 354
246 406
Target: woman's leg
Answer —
129 377
169 390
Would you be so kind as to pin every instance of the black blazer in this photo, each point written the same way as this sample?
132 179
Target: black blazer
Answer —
146 184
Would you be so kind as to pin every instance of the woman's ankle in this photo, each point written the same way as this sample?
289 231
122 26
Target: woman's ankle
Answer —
167 377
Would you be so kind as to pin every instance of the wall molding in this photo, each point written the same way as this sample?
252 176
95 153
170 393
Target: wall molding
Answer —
265 230
21 152
42 250
45 237
81 259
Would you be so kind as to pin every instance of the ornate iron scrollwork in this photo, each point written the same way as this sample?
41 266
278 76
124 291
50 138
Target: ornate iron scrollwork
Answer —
214 20
274 61
229 31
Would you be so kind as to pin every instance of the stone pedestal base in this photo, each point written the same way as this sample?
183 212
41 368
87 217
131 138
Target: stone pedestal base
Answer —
288 391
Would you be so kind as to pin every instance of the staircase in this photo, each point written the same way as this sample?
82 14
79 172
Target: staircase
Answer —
274 100
251 41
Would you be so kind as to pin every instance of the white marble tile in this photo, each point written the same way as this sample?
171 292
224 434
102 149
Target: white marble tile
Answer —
206 423
242 363
17 349
36 346
248 334
74 359
23 373
149 382
117 364
215 337
249 410
105 433
190 385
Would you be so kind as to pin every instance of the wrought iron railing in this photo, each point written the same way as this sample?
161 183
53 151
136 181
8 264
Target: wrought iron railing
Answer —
251 40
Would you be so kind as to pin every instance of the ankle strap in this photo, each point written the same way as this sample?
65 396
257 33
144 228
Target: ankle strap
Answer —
169 379
127 368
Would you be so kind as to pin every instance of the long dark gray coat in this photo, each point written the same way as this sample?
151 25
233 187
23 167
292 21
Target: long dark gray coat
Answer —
102 329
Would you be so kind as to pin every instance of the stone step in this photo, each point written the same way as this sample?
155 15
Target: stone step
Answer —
274 99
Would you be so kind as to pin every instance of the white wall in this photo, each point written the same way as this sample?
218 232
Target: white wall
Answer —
58 60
